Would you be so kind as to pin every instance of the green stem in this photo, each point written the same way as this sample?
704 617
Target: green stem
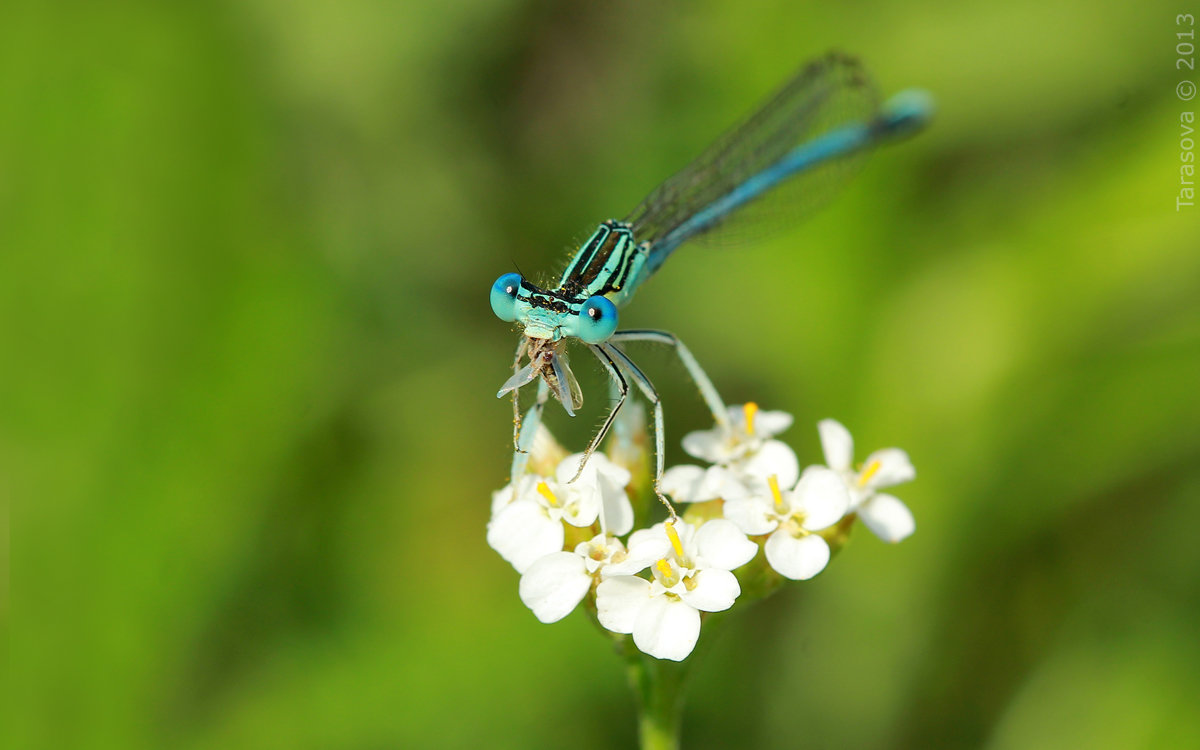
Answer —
658 688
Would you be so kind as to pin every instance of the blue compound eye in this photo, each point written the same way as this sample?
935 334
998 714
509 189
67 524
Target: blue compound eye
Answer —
504 296
597 320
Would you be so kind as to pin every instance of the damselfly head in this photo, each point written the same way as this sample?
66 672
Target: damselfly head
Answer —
553 315
548 361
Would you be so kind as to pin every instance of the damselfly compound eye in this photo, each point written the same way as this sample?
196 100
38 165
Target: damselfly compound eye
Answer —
504 296
597 320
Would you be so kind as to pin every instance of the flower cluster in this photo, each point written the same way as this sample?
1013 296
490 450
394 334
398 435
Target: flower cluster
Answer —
564 537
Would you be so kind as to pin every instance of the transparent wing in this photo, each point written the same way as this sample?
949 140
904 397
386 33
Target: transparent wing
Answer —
828 93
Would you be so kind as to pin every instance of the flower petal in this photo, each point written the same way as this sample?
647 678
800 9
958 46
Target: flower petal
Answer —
569 466
619 600
894 468
798 559
821 495
667 628
597 468
598 551
721 483
682 483
651 543
617 560
502 497
632 564
888 518
774 457
836 443
612 471
721 544
766 423
522 533
712 590
523 489
581 505
770 423
686 532
706 445
554 585
618 512
751 515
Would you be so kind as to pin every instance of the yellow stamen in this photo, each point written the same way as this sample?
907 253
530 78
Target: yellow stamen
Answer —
674 537
544 490
750 410
868 472
666 574
597 551
774 482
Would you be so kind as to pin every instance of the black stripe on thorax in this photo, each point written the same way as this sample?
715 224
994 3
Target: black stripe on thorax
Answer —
553 301
596 255
585 255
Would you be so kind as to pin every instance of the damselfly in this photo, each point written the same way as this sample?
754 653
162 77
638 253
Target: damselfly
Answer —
790 154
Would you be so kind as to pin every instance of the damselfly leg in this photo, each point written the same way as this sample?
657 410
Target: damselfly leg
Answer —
707 390
621 369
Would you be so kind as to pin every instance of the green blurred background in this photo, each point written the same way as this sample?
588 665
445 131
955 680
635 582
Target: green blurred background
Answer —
249 410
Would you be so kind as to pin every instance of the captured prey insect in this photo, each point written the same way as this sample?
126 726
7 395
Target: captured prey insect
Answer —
790 154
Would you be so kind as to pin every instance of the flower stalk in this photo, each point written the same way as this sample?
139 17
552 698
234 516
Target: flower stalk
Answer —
658 688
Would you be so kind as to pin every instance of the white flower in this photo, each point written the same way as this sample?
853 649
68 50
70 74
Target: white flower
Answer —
527 519
521 529
818 501
883 514
693 575
745 446
555 584
693 484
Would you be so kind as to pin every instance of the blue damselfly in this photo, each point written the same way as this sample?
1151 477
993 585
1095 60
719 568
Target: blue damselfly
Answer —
790 155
